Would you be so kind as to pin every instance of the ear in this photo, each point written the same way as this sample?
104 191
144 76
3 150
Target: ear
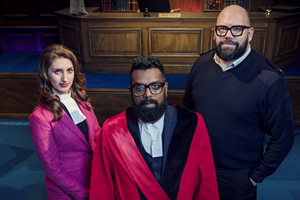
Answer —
129 88
215 35
166 88
250 34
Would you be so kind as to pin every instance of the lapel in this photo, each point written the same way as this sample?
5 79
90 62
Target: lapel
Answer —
169 126
179 148
89 121
72 126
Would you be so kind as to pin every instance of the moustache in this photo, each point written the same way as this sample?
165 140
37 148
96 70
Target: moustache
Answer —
148 101
228 42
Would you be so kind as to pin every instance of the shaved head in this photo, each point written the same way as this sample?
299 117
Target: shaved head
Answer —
233 15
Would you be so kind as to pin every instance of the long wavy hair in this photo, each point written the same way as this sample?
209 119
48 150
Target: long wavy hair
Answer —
49 100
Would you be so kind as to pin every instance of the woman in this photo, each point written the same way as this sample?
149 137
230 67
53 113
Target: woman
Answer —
64 127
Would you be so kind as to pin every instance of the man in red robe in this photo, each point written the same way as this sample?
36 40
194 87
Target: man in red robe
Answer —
153 150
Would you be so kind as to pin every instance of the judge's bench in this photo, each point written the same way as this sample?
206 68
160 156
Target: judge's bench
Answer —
107 42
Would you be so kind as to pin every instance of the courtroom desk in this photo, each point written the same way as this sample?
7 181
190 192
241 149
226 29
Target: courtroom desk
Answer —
107 42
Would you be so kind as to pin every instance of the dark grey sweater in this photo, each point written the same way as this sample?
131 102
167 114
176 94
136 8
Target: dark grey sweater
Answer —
239 106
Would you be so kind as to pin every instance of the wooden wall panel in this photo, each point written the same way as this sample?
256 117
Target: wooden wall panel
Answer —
175 42
293 83
259 40
291 33
70 36
212 43
115 42
109 102
19 92
287 42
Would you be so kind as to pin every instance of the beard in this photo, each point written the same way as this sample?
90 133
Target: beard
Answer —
150 115
229 54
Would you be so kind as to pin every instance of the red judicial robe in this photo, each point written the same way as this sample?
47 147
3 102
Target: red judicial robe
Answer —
119 170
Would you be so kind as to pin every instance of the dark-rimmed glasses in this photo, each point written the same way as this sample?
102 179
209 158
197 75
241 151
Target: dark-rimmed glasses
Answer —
140 89
235 30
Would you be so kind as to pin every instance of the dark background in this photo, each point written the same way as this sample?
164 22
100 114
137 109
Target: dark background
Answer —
31 25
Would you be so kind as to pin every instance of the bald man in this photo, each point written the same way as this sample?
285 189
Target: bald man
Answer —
242 96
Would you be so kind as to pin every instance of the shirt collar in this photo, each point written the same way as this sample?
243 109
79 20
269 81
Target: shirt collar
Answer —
63 96
151 137
234 63
158 124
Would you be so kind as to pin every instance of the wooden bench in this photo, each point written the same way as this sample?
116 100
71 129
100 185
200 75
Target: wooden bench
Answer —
109 92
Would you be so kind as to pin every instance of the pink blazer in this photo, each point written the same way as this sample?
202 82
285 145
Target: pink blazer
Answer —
64 153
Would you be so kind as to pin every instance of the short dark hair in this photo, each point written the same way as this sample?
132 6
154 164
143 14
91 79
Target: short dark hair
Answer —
147 62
